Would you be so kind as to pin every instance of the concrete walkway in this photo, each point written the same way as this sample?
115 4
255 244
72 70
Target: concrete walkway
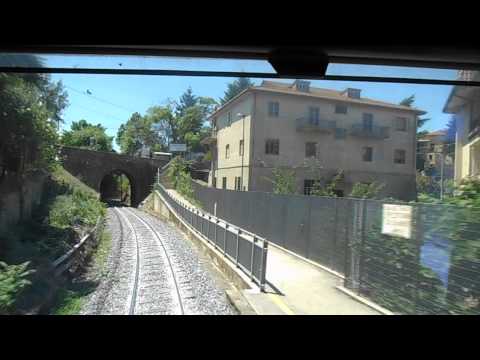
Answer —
296 287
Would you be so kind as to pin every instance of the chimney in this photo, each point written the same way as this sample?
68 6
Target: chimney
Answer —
352 93
302 85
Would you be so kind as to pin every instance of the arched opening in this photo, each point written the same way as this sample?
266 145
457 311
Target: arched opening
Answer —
116 189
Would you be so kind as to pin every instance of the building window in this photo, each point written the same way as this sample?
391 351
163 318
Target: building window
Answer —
340 109
340 133
272 146
224 183
367 153
314 115
367 122
229 118
401 124
214 182
399 157
273 108
227 151
308 186
238 185
240 148
310 149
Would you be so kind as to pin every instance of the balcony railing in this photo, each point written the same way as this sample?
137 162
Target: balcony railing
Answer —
319 125
211 139
375 132
466 75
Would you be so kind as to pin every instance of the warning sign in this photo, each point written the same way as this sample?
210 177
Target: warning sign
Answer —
397 220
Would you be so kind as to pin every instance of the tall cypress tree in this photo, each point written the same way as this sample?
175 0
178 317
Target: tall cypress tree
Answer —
235 88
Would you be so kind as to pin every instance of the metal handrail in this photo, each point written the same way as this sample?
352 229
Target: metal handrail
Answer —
67 258
194 216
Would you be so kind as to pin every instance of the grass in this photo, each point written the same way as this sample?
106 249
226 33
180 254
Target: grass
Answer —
69 208
61 175
71 298
101 253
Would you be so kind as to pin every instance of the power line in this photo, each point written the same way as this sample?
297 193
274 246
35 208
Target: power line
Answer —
98 112
99 99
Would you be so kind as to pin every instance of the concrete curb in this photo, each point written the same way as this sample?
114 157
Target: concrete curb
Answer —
311 262
240 303
364 301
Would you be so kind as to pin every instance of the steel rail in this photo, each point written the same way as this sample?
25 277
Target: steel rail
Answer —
160 242
133 301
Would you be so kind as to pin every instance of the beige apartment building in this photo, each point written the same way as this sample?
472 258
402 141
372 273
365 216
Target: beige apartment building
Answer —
316 132
435 154
464 102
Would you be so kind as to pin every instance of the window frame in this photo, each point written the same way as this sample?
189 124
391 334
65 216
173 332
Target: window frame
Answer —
395 152
227 151
405 128
224 182
367 120
273 105
364 152
271 145
341 105
315 120
307 148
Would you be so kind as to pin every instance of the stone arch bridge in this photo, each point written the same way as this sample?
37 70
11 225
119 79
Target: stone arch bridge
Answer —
96 167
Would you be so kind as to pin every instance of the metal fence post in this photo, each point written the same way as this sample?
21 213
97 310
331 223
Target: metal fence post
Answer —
263 266
252 256
215 238
236 251
225 239
208 226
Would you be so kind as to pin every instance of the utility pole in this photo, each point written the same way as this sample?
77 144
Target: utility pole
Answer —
441 175
243 147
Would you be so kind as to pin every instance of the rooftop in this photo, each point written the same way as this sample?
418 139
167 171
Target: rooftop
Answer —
290 88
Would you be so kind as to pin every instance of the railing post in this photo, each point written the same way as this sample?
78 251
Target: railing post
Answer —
263 265
208 226
215 237
236 251
225 239
252 256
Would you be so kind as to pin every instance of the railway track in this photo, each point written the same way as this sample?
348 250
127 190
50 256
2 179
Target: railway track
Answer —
152 269
155 288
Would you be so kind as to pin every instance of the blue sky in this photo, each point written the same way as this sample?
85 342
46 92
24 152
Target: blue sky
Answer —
115 97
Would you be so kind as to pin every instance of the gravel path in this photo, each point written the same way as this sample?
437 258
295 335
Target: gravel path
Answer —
153 269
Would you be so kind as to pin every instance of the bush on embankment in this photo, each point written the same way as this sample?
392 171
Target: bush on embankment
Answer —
68 210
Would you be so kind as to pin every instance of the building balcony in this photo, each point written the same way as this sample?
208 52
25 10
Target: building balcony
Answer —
373 132
320 125
466 75
211 139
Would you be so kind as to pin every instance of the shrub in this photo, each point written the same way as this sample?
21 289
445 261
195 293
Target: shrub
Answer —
13 279
75 210
283 181
365 190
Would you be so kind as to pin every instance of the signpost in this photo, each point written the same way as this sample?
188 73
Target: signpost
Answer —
397 220
178 147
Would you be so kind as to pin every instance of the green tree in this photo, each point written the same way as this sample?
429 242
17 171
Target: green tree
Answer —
366 190
409 101
87 136
186 125
137 132
236 87
187 100
283 181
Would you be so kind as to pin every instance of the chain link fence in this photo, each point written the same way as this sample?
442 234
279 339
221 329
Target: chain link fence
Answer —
410 258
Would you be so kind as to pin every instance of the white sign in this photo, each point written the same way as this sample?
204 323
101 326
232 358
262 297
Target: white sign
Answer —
178 147
397 220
